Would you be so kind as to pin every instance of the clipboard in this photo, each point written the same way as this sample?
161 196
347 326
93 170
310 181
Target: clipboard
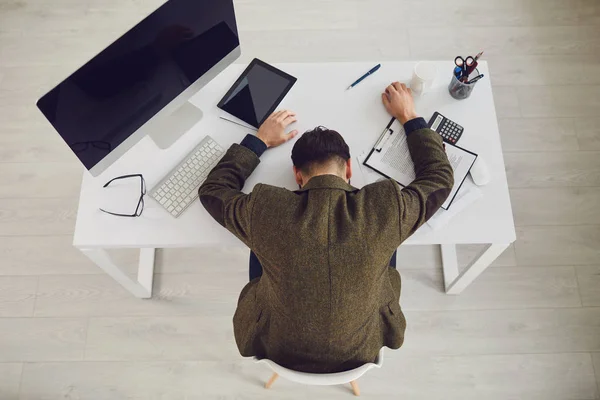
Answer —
391 158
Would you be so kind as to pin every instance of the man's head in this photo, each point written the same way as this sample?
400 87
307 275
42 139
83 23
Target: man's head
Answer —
321 151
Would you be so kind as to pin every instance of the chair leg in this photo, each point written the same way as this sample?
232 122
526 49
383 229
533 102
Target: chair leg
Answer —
272 380
355 388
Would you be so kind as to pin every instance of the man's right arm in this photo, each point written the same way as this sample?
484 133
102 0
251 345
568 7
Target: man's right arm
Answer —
418 201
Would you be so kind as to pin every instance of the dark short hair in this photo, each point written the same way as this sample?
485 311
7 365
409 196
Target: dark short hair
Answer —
319 146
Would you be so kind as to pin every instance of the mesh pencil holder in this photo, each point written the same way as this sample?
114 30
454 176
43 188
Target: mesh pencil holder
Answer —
461 90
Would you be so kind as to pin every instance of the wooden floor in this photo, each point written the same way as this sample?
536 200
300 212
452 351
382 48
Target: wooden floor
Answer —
529 328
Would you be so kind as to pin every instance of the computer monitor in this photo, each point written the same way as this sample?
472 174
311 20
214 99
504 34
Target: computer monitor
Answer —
141 83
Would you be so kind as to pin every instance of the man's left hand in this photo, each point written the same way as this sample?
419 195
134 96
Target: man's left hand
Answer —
272 131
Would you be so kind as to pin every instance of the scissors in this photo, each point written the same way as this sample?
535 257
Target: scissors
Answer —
466 65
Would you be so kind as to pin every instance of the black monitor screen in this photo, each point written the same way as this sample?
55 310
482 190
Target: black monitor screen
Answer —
114 94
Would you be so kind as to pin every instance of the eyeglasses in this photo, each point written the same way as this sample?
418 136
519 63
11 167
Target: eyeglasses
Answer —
140 206
83 146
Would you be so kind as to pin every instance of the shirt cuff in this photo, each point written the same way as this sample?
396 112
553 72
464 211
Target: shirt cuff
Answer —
414 125
255 144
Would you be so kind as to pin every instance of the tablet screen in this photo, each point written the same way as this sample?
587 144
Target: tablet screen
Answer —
257 93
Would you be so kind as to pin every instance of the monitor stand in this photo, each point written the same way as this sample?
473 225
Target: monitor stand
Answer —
171 127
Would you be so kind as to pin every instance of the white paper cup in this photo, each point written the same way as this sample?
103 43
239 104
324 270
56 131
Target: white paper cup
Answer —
424 74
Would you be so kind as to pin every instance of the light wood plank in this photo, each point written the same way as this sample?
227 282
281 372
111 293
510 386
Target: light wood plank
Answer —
558 245
467 252
161 338
417 257
533 376
502 331
42 339
538 134
560 101
325 45
54 216
39 180
213 292
436 13
10 378
556 206
33 145
588 277
590 10
129 5
82 16
590 67
196 260
17 295
59 47
261 15
537 376
163 380
448 42
553 169
21 114
596 359
496 288
528 70
506 101
37 255
28 83
588 133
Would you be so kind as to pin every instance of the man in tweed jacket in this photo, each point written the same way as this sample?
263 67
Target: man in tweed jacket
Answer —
324 295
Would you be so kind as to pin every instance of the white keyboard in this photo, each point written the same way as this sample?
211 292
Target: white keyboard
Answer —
179 188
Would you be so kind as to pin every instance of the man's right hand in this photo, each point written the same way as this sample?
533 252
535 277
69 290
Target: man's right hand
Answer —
272 131
398 101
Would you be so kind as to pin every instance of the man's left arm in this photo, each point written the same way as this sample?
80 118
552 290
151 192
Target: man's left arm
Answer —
221 193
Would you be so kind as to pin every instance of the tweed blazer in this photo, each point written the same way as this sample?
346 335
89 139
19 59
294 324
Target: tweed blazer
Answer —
327 300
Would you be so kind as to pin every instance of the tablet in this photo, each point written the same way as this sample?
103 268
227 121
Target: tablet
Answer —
257 93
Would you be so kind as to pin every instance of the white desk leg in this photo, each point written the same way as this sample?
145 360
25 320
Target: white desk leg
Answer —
449 264
143 287
456 283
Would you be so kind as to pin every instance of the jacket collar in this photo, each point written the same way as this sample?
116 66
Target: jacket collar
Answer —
327 182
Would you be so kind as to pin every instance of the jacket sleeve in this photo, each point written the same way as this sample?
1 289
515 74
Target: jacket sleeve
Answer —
418 201
221 193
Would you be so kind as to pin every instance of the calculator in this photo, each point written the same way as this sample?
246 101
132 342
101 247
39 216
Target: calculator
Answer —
448 129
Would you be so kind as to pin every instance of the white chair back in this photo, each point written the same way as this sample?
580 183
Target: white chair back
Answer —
337 378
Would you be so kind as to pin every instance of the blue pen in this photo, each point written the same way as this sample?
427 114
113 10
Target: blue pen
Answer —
374 69
458 72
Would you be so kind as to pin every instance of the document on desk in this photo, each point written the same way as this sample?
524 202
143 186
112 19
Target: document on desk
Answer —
391 157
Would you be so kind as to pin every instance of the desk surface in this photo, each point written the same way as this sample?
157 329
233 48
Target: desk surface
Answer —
318 98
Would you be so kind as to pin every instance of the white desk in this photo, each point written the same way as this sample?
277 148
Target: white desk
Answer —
318 98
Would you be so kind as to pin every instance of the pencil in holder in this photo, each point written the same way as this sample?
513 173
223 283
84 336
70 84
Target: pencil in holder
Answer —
461 90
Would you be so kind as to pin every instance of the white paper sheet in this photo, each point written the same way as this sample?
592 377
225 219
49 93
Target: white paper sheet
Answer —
369 175
391 157
461 162
468 194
